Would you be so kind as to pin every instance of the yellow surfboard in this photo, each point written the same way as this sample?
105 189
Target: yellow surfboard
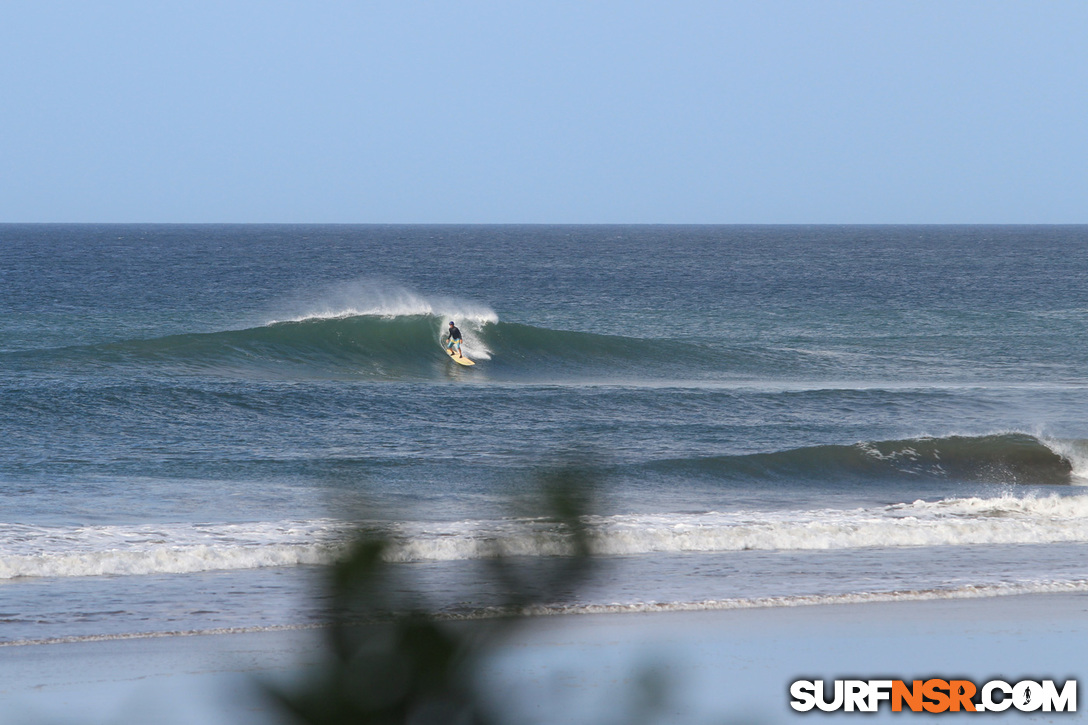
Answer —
458 359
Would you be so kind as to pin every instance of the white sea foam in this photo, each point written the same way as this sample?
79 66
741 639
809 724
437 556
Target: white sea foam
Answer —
39 551
1074 451
951 522
707 605
384 300
28 551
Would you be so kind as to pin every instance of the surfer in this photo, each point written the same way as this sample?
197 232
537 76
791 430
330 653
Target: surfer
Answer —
453 340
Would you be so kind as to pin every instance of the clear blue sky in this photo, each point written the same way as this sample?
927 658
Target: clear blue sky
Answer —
753 111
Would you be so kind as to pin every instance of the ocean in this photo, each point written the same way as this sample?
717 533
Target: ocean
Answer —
193 417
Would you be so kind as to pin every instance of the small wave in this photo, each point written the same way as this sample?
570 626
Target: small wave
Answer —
27 551
714 605
1009 458
160 634
589 608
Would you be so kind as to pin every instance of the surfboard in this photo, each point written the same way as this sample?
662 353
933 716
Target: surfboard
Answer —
459 360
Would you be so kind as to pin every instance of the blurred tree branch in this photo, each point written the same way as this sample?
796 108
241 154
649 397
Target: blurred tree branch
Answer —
392 661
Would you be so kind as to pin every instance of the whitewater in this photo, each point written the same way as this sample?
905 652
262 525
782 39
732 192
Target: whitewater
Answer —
197 420
31 551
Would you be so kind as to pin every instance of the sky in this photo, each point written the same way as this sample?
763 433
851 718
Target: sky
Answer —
409 111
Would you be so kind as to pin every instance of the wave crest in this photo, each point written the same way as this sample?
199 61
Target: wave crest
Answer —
1006 458
385 345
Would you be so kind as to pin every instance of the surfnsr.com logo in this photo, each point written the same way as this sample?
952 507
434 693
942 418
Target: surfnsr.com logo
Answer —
934 696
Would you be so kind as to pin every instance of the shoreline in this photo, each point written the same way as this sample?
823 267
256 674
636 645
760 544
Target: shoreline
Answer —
714 663
970 592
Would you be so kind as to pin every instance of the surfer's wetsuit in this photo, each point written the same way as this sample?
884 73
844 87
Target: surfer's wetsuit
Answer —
454 339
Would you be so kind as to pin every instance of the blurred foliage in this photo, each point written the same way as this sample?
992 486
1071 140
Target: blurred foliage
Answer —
390 660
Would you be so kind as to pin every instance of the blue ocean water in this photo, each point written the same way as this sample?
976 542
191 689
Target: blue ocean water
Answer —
191 417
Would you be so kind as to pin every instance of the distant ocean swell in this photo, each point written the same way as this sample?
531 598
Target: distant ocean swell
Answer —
27 551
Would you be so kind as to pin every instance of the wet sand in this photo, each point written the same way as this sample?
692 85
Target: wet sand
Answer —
711 666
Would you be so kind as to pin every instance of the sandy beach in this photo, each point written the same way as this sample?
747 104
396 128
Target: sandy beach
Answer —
713 666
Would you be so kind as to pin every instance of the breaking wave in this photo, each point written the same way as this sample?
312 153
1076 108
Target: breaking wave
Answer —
1013 458
32 551
345 345
377 332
